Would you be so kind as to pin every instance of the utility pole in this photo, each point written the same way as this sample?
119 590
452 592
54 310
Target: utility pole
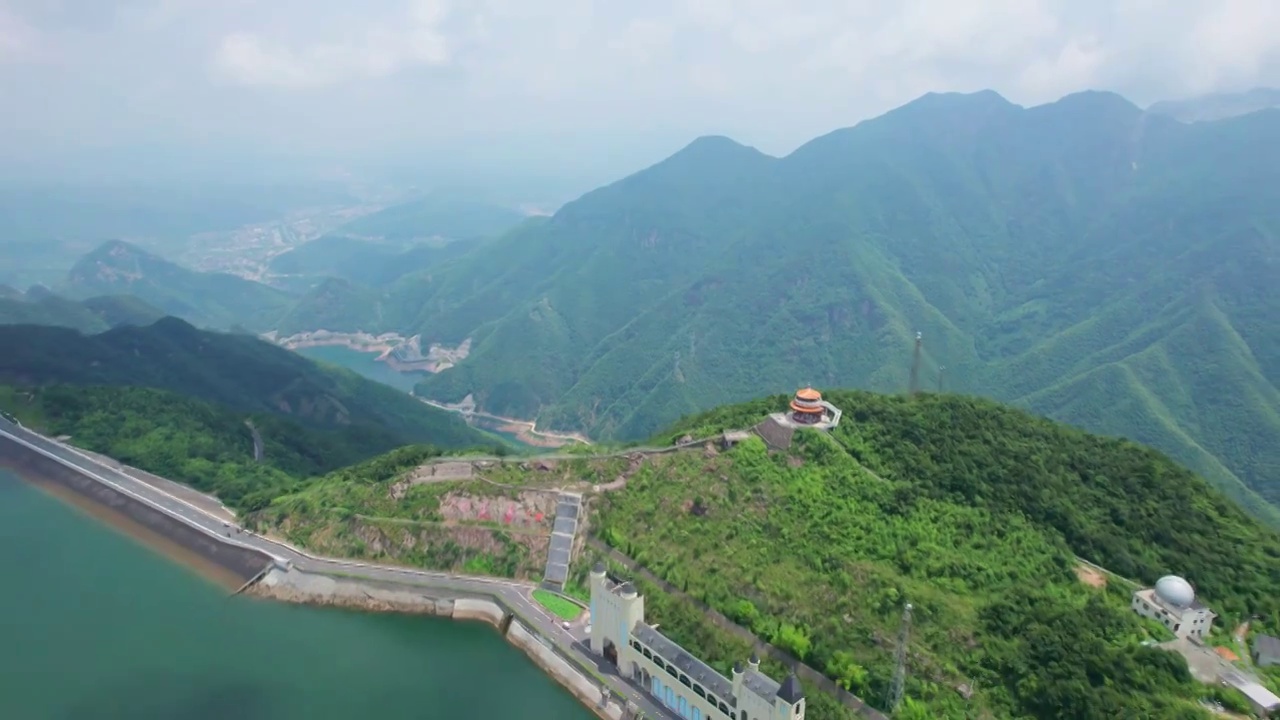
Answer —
941 368
900 663
913 385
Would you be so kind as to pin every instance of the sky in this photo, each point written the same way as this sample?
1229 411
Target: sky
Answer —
561 85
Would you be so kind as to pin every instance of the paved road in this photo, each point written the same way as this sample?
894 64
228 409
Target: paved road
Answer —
516 594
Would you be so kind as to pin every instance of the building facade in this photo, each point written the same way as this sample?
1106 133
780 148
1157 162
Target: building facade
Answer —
1172 603
681 682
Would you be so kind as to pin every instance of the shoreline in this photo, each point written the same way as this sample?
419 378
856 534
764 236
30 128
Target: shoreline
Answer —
226 566
362 595
144 537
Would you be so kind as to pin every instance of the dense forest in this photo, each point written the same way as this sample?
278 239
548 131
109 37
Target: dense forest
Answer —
977 515
91 315
236 371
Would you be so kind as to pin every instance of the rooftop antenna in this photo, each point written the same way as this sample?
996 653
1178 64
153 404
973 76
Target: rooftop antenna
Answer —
913 385
900 663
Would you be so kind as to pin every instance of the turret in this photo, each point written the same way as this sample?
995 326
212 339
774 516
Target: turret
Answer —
737 679
753 663
790 699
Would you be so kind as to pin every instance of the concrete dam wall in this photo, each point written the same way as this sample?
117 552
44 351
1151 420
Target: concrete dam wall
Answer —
295 585
227 560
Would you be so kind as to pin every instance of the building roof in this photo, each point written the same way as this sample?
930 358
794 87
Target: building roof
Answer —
1266 644
698 671
791 692
761 684
1257 694
776 435
808 394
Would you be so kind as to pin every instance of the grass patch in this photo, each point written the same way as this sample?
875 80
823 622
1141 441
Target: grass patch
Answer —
559 606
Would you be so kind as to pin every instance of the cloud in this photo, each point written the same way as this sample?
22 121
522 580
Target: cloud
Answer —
604 78
18 41
372 49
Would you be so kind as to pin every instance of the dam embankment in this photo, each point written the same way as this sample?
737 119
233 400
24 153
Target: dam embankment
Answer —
229 565
294 585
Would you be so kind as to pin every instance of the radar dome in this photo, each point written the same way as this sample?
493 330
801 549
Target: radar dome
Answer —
1175 591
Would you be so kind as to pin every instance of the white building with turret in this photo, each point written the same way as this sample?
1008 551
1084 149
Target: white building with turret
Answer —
681 682
1172 603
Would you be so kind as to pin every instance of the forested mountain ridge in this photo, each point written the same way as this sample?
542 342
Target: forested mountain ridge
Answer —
973 512
94 314
1105 266
214 300
240 372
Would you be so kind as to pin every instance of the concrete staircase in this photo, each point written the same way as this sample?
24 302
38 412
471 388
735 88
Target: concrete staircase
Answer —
560 552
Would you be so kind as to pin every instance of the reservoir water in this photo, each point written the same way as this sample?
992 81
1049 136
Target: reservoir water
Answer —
367 364
98 627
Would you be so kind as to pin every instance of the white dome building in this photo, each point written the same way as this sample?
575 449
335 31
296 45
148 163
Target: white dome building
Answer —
1172 603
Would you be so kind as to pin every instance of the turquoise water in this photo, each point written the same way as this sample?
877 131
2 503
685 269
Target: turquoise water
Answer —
367 365
96 626
364 363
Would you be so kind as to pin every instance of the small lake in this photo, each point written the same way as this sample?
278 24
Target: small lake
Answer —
364 363
367 364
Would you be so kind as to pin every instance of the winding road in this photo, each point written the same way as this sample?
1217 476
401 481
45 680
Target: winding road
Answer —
571 642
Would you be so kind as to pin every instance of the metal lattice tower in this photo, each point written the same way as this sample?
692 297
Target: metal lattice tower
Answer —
900 663
913 386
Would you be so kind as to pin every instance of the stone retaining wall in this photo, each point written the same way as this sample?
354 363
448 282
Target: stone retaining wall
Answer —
298 586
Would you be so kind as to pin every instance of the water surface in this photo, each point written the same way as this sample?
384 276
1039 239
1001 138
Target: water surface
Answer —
98 627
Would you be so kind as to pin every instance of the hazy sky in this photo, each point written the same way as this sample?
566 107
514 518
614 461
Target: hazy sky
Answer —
569 81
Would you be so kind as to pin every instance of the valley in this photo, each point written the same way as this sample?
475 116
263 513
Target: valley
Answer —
698 361
247 251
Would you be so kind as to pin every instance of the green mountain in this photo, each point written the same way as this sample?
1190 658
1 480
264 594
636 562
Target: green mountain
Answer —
1108 267
207 299
435 217
239 372
49 225
976 513
91 315
371 263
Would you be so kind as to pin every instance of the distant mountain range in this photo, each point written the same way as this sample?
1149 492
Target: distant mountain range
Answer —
234 371
39 306
1218 106
1103 265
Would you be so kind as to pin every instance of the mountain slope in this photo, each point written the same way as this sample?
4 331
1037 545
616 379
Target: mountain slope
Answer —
1031 246
236 371
438 217
369 263
207 299
973 512
94 314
